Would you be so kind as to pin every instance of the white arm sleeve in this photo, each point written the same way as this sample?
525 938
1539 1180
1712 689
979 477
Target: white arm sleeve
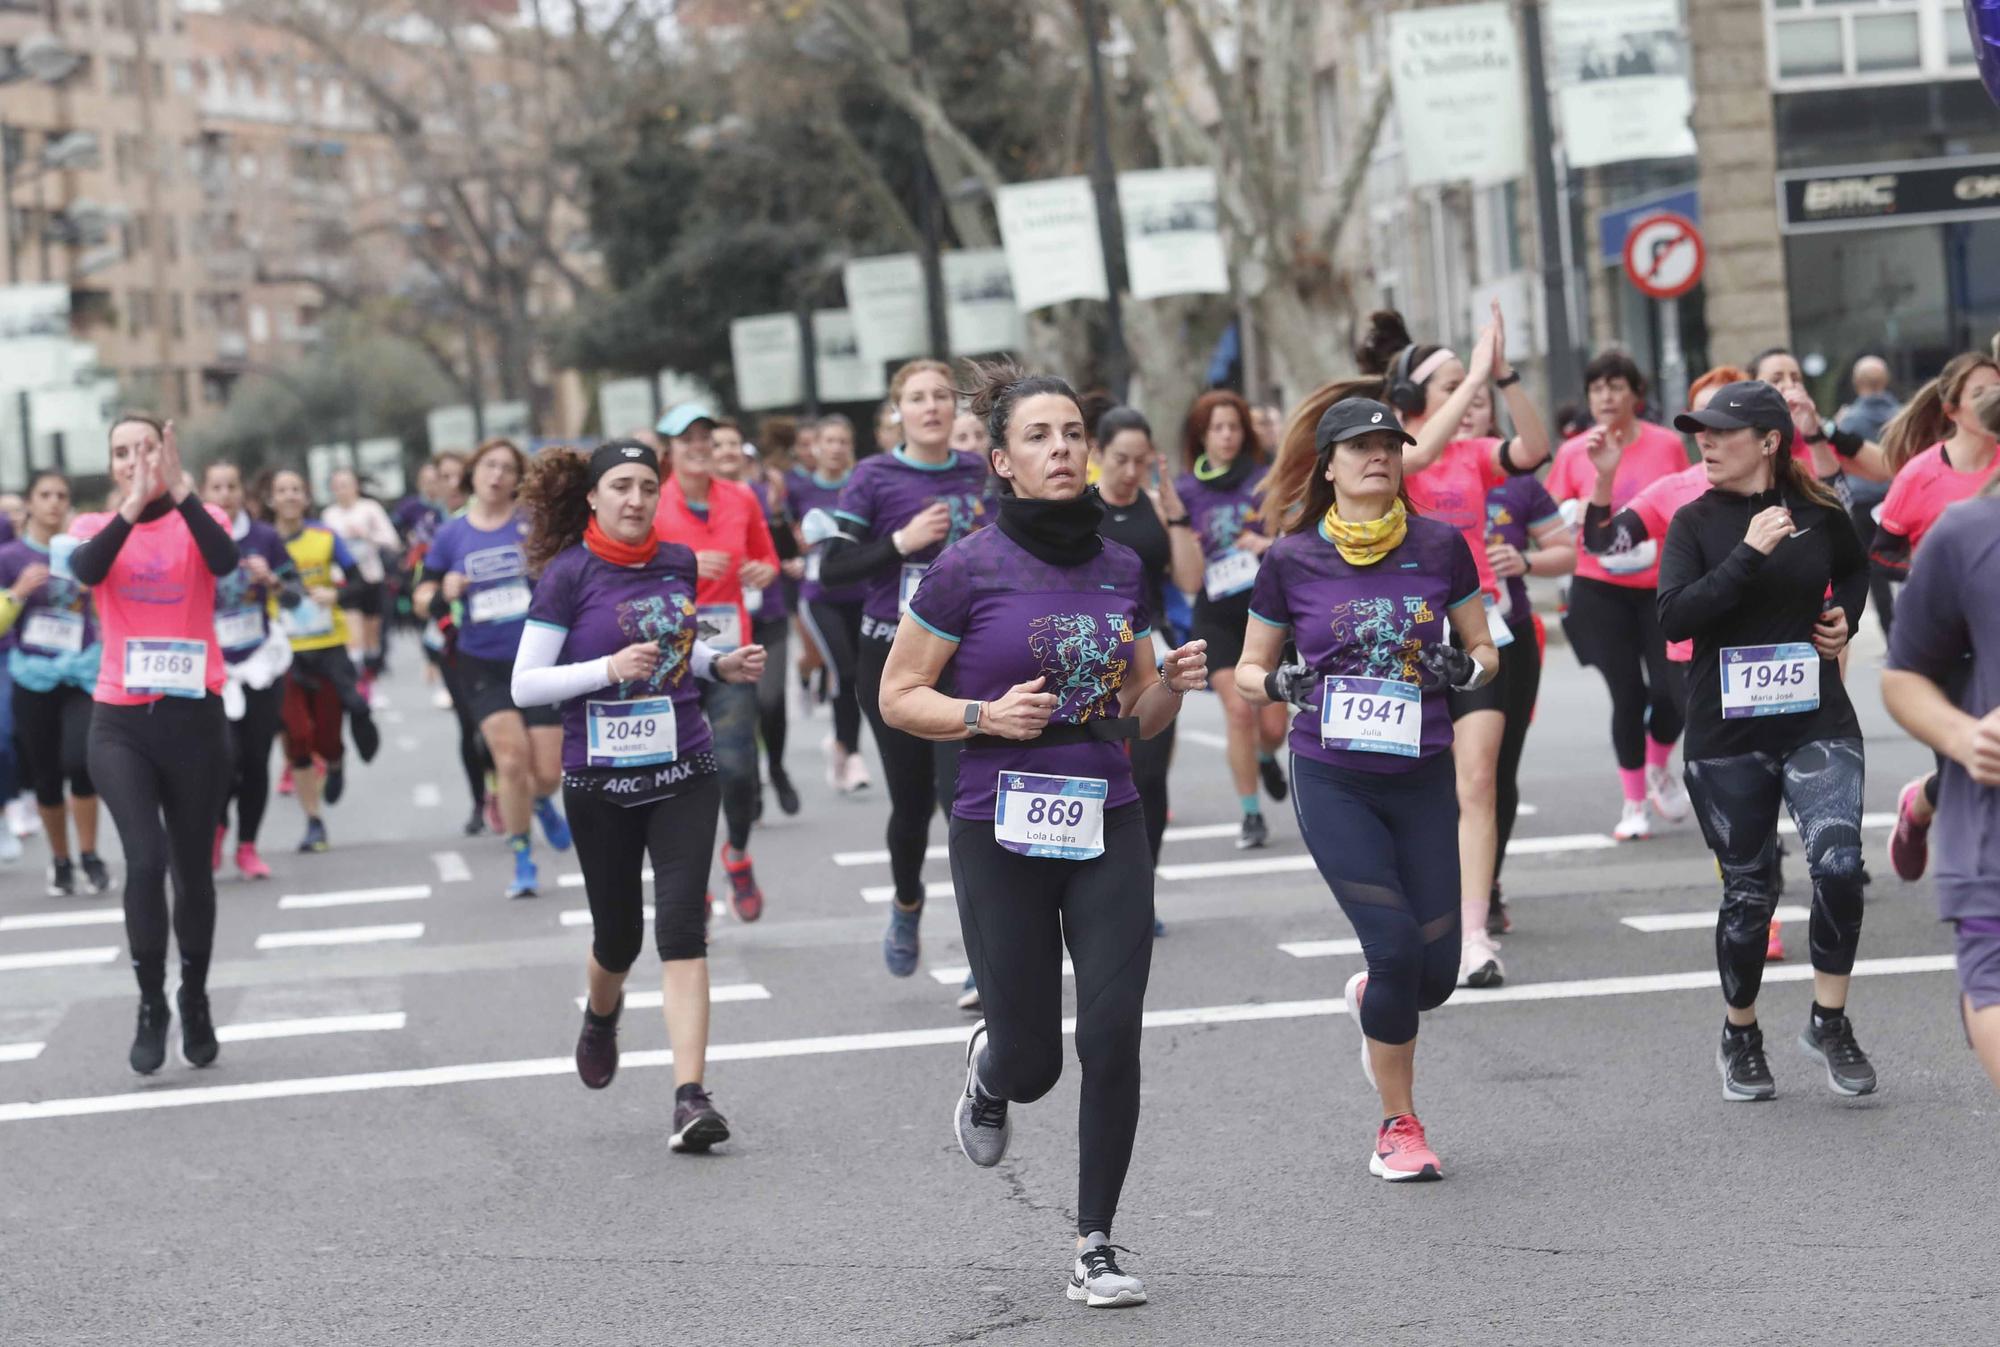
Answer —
540 681
702 661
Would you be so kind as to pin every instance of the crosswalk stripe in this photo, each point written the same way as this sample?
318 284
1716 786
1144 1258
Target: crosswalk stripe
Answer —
340 935
1193 832
20 1052
57 958
580 916
955 977
728 991
575 881
1699 921
48 921
882 893
294 902
451 867
325 1024
426 795
1320 949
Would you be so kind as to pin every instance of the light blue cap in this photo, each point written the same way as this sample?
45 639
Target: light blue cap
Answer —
682 415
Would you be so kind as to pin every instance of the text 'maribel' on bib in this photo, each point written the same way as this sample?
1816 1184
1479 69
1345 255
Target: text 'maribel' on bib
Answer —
636 733
1055 817
1371 715
1231 573
1769 680
161 667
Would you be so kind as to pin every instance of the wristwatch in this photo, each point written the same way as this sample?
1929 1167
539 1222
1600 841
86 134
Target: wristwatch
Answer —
1511 378
973 710
1184 522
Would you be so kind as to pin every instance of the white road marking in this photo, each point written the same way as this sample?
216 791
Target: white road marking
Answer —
48 921
20 1052
1320 949
340 935
580 916
955 977
426 795
575 881
57 958
882 893
1785 824
295 902
1700 921
406 743
728 991
1284 865
1193 832
952 1035
451 867
325 1024
389 717
1526 810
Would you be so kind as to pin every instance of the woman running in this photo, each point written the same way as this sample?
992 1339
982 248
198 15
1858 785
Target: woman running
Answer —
321 686
1449 477
1372 595
1612 623
769 607
257 657
1942 451
610 641
476 572
832 614
439 639
897 512
1226 465
362 523
1745 575
1041 626
723 523
1945 623
52 661
158 739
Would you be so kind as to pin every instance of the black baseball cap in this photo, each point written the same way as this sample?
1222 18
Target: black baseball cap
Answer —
1357 416
1751 404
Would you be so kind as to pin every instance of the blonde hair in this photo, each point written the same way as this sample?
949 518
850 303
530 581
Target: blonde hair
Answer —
1296 492
1926 417
901 379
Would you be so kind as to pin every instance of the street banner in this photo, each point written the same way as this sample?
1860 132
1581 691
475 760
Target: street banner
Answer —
1173 233
979 302
380 463
766 351
35 345
1458 94
623 406
840 371
322 460
454 429
885 295
1054 252
1621 73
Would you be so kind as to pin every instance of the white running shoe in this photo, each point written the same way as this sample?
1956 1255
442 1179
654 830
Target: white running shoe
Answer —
836 767
1667 794
1479 961
1357 987
856 775
1634 823
23 820
441 700
1098 1281
10 847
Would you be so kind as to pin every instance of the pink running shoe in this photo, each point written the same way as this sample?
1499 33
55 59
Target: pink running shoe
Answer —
1357 987
1910 844
1774 947
285 786
249 864
1401 1153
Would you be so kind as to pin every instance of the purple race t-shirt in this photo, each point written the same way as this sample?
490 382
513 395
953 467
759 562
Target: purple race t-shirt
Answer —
1014 619
1368 622
58 615
1514 508
496 597
887 491
772 606
1219 515
243 607
601 609
811 492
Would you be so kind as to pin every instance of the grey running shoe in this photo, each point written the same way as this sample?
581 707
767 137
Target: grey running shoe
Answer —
697 1126
1098 1281
1746 1074
1831 1044
1255 832
981 1120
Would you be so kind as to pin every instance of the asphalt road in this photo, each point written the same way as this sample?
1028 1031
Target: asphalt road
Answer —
395 1147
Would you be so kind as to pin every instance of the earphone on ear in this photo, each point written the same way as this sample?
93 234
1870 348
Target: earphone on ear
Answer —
1404 395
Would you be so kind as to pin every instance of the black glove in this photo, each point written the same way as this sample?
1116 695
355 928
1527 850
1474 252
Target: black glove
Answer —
1292 684
1452 666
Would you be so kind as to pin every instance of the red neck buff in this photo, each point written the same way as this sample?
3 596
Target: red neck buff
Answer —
617 553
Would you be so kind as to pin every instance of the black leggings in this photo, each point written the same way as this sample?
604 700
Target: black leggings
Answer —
1616 630
473 758
836 630
1016 914
53 729
612 843
922 776
1737 801
775 637
1383 841
250 742
163 767
1150 760
731 709
1520 682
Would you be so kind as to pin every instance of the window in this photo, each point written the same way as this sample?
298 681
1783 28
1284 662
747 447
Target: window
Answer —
1828 43
260 323
176 315
1326 121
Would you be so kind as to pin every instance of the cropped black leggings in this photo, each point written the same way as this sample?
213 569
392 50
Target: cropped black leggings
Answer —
250 742
162 767
1150 760
1520 684
922 777
836 630
1017 913
1737 801
775 636
1616 630
53 728
1384 842
612 843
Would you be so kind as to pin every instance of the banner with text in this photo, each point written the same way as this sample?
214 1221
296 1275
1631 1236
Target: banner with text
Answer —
885 295
842 373
1054 252
766 351
1621 71
980 311
1173 233
1458 94
623 406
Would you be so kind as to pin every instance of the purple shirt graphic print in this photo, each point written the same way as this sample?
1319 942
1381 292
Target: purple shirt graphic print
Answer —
888 491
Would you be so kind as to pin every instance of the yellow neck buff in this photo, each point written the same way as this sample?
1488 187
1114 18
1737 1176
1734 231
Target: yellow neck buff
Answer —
1366 543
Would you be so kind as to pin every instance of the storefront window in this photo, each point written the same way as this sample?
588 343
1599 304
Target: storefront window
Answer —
1915 296
1886 42
1810 48
1820 43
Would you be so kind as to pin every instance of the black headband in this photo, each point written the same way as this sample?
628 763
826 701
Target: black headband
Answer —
616 454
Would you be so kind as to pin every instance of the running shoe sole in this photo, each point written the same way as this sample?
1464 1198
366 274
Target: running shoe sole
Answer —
1428 1174
958 1127
1833 1082
700 1134
1488 974
1737 1094
1122 1301
1354 1009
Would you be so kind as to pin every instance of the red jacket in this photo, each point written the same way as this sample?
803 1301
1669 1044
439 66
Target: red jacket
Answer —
735 524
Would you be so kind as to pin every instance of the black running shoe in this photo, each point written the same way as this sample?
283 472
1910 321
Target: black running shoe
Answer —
62 878
149 1043
1830 1042
697 1125
336 783
1746 1074
367 739
1255 832
476 825
788 794
1273 773
198 1043
757 806
1498 920
95 872
597 1046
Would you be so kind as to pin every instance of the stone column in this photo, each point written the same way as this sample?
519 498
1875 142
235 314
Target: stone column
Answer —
1747 303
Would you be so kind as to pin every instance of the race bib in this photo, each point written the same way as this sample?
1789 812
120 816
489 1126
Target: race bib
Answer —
172 668
1231 573
1631 562
240 628
720 624
812 568
61 632
499 603
1371 715
1055 817
306 619
753 601
913 575
1496 625
61 547
1769 680
635 733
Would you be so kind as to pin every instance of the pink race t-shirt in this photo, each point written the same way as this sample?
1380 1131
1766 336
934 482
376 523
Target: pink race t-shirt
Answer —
1922 490
158 587
1655 507
1656 453
1453 490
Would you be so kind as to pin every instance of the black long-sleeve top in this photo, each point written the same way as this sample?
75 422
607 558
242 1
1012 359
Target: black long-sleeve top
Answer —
1719 592
91 562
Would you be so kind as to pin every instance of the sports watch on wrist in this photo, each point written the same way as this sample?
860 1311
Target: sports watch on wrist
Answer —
974 710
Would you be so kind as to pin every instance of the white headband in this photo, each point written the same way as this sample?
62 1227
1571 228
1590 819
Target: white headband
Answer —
1432 364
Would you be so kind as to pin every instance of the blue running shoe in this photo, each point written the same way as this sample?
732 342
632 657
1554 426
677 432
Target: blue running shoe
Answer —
554 826
899 945
527 879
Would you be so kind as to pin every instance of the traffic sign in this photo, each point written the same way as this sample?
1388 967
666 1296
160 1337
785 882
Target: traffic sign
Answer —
1664 255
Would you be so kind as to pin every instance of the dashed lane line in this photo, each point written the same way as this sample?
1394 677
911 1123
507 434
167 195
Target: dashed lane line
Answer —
340 935
20 1052
57 958
324 1024
728 991
1193 832
1699 921
451 867
1320 949
955 977
49 921
402 893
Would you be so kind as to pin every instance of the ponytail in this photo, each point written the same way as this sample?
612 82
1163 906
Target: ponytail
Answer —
556 499
1926 418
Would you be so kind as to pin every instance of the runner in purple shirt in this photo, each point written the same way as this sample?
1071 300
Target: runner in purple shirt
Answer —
1372 596
610 638
831 615
1041 625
